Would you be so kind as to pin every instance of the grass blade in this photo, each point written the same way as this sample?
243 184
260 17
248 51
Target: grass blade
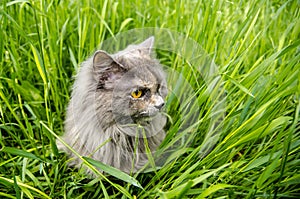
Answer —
24 186
19 152
17 189
114 172
39 64
207 192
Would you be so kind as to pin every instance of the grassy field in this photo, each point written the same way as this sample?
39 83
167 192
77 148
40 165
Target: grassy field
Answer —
256 48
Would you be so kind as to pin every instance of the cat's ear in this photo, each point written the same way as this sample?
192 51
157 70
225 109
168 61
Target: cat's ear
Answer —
146 46
102 60
106 69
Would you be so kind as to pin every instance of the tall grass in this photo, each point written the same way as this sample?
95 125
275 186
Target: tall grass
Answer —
256 47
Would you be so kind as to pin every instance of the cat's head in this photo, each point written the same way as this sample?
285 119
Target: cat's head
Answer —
136 82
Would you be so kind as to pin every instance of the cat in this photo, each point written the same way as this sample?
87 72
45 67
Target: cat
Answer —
115 108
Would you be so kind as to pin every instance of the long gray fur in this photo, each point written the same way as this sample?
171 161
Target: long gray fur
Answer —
103 122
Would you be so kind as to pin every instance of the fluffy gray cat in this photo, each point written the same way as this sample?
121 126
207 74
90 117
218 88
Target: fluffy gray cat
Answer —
114 112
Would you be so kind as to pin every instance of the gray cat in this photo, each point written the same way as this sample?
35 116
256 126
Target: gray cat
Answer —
114 113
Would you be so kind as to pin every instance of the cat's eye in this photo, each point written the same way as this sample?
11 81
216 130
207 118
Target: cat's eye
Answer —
137 94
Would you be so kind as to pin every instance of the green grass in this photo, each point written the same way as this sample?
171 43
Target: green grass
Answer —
256 47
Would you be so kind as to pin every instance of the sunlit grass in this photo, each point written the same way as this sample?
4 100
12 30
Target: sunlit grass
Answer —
255 45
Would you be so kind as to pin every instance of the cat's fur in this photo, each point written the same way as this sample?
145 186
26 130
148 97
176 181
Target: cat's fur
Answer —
104 121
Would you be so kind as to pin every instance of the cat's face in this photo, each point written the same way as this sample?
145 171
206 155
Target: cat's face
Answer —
136 82
140 93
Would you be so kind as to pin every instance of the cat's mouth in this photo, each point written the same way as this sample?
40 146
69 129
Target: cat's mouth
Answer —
148 115
145 117
151 112
138 117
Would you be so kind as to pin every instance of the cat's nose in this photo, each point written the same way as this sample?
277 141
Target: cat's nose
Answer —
159 102
159 106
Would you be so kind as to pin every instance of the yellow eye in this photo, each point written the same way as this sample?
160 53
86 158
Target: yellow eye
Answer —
136 94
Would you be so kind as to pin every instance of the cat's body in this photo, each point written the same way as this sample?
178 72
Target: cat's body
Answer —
115 104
